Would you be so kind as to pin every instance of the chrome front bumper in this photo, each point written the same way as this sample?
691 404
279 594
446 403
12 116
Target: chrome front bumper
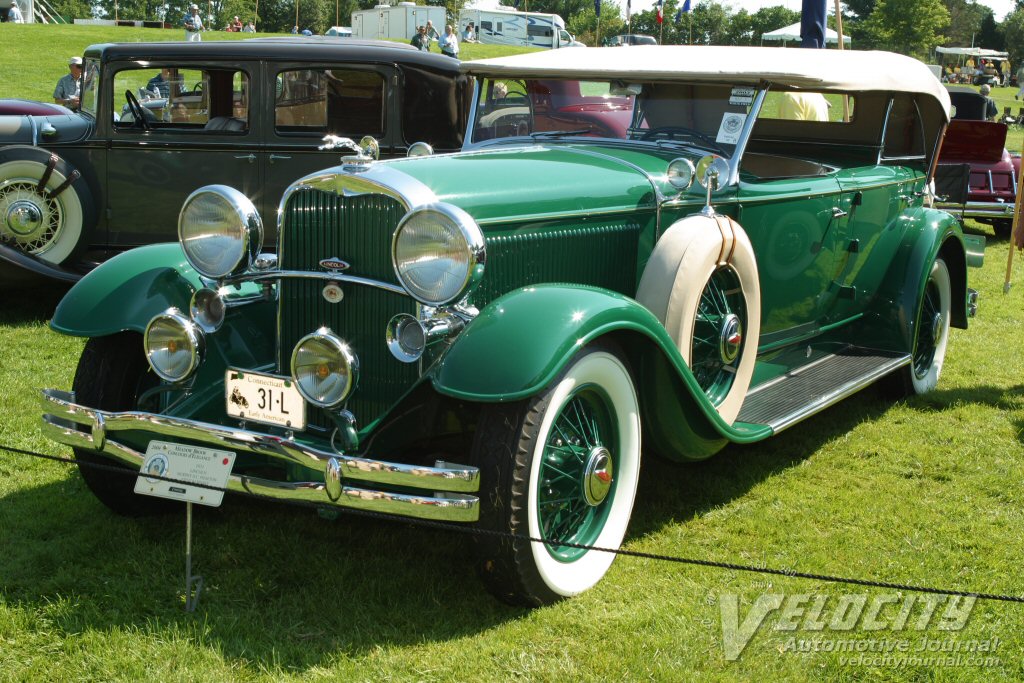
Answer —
978 209
75 425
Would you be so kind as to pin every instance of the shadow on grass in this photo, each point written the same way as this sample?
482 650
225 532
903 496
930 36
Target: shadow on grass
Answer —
286 590
31 301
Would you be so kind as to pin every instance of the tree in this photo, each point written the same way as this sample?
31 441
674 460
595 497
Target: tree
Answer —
861 9
1013 30
771 18
990 35
910 27
965 18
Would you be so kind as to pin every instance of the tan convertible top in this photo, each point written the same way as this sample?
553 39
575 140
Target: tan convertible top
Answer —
840 70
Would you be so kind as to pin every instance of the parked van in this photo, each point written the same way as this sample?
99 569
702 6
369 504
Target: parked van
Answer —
398 21
509 27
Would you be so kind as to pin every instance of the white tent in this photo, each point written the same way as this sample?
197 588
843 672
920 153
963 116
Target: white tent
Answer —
973 52
792 33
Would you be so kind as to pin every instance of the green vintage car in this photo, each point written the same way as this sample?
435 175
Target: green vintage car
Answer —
676 248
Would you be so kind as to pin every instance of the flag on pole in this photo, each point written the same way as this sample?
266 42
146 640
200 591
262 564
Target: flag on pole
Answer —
597 8
685 8
661 11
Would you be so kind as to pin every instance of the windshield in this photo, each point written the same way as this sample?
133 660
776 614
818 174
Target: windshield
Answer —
700 116
90 86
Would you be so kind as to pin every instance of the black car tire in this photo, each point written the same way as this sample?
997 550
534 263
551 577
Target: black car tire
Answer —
931 336
112 374
64 207
538 479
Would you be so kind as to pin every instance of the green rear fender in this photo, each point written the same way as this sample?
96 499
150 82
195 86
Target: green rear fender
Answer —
521 341
935 234
127 291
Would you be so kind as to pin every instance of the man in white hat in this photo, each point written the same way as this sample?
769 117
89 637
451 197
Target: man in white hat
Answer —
14 15
193 25
69 88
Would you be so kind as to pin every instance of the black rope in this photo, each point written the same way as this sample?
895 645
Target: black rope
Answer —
476 531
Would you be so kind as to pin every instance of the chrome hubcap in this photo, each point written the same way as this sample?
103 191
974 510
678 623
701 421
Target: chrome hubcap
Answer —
23 217
730 337
597 479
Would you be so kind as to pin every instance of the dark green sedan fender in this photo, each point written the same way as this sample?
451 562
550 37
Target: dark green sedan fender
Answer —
127 291
521 341
932 234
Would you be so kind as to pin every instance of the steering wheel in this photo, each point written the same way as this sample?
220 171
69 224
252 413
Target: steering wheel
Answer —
671 132
138 111
197 89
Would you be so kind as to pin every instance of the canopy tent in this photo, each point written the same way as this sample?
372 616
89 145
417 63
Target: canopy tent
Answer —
791 33
972 52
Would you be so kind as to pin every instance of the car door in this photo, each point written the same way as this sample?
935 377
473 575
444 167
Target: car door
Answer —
200 133
310 102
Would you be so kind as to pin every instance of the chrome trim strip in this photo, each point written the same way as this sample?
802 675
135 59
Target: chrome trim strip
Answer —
991 181
35 130
275 275
59 406
837 394
449 507
885 128
521 218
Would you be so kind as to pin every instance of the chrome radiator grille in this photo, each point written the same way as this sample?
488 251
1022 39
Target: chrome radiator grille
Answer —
357 229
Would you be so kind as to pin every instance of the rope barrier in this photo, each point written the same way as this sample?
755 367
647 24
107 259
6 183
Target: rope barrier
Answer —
472 530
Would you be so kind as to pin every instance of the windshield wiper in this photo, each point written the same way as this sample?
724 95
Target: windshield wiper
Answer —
559 133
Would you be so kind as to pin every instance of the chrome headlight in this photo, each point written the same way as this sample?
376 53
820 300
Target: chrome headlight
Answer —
220 231
438 253
174 345
324 368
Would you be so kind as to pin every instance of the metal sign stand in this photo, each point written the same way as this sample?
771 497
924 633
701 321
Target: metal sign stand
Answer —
193 584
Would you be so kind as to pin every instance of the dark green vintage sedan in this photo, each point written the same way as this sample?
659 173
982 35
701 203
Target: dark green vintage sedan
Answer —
663 251
159 120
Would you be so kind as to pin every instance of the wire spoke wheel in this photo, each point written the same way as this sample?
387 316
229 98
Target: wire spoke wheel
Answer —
577 482
29 220
718 334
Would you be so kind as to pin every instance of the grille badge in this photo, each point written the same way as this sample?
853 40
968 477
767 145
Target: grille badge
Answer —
334 263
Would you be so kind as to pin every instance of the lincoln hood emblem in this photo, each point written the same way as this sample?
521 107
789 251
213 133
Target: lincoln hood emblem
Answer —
334 263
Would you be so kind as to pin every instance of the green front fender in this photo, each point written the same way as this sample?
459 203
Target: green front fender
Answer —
521 341
127 291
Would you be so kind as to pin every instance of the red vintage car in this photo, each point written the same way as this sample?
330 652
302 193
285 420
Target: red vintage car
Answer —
976 176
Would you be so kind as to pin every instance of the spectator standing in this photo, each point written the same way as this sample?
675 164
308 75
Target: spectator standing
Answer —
69 88
432 32
420 40
991 110
1020 83
14 15
193 25
803 106
449 43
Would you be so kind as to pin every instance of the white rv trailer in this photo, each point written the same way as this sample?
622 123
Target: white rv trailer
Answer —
396 21
510 27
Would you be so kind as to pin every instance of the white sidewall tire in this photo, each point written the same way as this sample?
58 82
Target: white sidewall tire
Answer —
69 233
939 274
606 371
684 260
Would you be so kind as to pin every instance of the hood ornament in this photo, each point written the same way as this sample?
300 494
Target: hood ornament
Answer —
366 152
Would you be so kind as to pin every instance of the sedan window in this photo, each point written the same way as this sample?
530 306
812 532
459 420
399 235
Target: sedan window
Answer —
182 98
335 101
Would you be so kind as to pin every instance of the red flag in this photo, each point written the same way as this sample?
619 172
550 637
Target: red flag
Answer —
661 11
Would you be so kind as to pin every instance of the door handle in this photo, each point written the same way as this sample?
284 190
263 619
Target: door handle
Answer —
838 213
251 158
274 157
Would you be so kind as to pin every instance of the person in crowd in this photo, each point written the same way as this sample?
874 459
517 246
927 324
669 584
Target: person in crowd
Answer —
14 15
69 88
165 83
991 110
1020 83
803 106
432 33
236 25
469 35
193 25
249 28
295 30
420 40
449 43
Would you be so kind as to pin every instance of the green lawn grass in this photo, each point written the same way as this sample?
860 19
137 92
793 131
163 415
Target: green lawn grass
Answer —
925 491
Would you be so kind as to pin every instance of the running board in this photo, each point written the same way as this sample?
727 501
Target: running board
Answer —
800 393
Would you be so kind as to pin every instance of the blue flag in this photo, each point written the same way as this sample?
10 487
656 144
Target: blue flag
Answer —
685 8
597 8
679 14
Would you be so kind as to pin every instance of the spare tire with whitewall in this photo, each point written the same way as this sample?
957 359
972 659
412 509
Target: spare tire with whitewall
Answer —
46 208
701 282
562 465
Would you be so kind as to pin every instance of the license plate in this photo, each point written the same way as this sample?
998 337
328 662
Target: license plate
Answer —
264 398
